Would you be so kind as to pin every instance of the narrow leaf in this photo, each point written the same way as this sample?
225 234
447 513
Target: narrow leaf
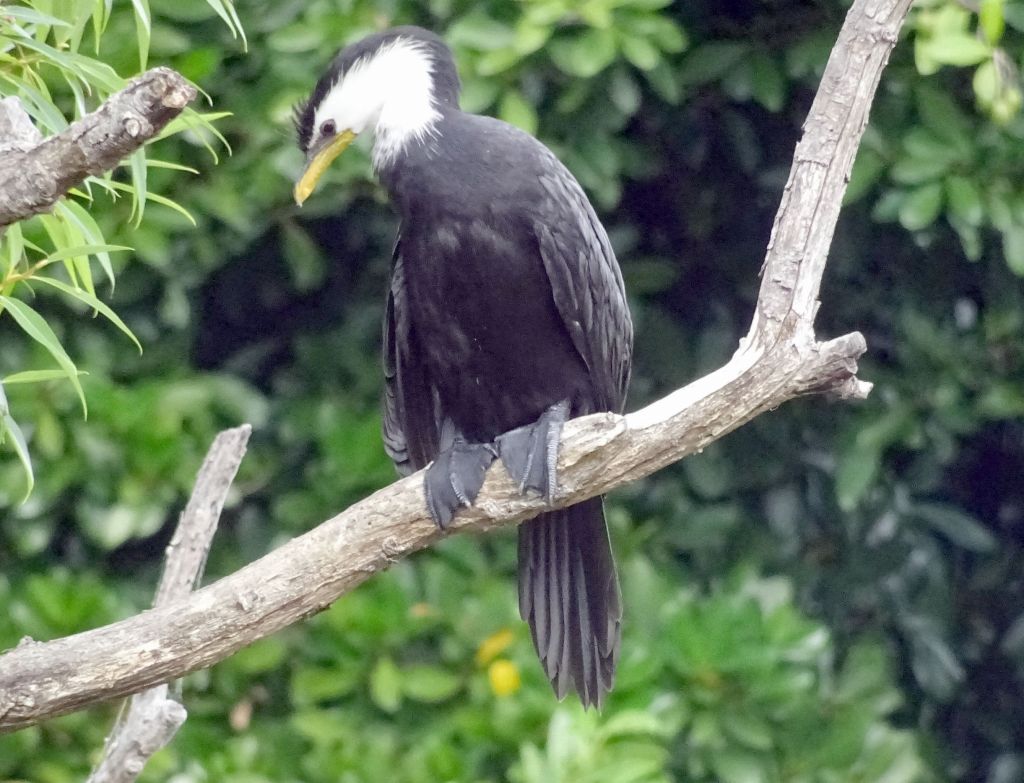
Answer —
94 303
15 246
36 327
171 204
166 164
32 16
79 250
35 376
8 424
137 164
78 215
142 30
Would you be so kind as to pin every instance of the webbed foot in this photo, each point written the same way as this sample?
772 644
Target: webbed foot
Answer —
454 479
530 453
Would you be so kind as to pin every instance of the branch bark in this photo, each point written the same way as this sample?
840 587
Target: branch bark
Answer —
33 178
152 718
778 360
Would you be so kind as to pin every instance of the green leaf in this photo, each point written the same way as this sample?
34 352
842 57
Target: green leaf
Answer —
386 685
262 656
429 684
933 661
9 427
1013 248
667 34
530 37
970 237
163 201
477 30
81 250
77 215
633 723
112 526
166 164
14 240
711 61
991 20
35 376
137 165
925 143
37 328
142 30
584 55
32 16
767 82
735 766
225 9
624 92
640 51
304 257
921 206
960 49
861 461
1002 400
965 200
515 109
987 84
41 109
750 730
918 170
93 302
867 170
959 527
188 120
315 684
478 95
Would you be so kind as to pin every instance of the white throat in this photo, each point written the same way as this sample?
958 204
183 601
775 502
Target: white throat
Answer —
390 94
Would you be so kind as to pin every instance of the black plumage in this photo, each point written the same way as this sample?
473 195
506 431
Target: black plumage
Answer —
505 301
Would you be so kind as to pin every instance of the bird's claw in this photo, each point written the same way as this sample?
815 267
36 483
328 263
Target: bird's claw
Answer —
454 479
530 453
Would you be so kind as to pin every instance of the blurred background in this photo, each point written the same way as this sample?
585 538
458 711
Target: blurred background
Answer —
832 594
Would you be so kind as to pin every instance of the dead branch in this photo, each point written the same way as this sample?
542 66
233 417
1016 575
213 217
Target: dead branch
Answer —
32 178
778 360
152 718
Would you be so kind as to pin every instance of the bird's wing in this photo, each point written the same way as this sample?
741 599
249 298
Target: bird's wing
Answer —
410 423
586 284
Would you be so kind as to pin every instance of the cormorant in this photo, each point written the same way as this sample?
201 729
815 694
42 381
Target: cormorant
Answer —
506 315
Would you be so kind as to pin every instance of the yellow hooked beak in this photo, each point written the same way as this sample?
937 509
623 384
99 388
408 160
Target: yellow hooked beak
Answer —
318 164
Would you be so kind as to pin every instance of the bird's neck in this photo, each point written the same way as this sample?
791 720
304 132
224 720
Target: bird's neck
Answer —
410 174
408 117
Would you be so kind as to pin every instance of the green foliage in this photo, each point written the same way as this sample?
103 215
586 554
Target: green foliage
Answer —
942 159
390 684
43 65
891 529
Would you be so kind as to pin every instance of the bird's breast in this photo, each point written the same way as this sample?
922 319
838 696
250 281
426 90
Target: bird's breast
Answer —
482 309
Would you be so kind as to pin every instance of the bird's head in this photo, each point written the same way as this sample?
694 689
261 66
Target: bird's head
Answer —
395 84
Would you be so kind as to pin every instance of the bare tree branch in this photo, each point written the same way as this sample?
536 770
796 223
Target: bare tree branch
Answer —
778 360
32 179
17 133
152 719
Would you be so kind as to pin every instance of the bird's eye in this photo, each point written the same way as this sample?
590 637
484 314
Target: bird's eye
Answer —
328 128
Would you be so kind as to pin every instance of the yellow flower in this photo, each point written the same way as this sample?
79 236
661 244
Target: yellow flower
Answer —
421 610
504 677
493 646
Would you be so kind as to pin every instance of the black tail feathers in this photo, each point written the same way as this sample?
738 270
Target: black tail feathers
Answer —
569 595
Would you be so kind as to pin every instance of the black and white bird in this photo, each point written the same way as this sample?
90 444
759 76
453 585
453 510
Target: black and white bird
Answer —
506 315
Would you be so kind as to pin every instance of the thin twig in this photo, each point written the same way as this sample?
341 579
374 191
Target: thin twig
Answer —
152 718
